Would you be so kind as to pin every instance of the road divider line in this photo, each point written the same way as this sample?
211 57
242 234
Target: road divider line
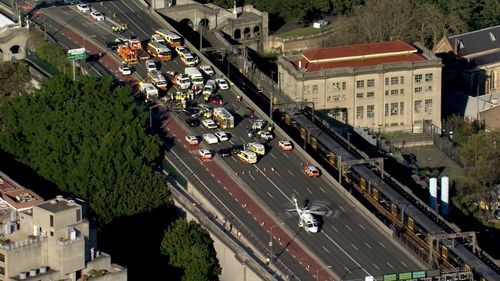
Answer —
343 251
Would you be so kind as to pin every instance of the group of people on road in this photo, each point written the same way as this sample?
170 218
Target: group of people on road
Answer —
120 28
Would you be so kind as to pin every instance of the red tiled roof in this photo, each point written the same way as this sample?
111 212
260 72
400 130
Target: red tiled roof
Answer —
358 50
357 62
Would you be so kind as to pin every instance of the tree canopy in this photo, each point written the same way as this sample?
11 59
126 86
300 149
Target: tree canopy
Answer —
14 79
189 247
89 138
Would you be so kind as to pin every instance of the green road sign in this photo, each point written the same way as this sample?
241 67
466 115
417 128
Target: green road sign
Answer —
418 274
77 54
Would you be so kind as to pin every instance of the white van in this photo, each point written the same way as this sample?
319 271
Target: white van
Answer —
256 147
188 59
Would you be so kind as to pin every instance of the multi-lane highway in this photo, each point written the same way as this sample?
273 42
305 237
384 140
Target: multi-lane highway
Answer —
349 244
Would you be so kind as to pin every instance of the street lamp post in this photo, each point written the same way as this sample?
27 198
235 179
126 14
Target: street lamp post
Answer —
271 256
319 270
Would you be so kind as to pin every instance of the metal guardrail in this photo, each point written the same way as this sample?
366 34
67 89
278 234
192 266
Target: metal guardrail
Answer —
41 65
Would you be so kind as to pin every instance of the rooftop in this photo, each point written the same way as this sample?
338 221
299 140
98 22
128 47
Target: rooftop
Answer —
477 41
7 184
360 55
58 205
5 21
22 198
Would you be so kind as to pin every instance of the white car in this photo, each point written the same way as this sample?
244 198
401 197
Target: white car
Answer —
266 135
205 153
222 136
222 83
125 69
209 88
157 38
98 16
150 65
285 145
209 124
84 8
208 70
182 50
193 140
210 138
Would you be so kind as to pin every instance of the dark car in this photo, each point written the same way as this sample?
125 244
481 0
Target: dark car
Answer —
112 45
216 100
224 152
236 148
193 122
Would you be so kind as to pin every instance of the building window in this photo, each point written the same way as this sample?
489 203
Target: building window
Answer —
428 106
329 99
394 92
360 84
418 90
315 89
418 106
418 78
394 108
386 92
370 94
52 233
370 111
401 108
306 89
428 88
394 80
386 112
401 91
401 80
2 270
344 85
359 112
78 215
336 98
2 257
370 83
428 77
386 81
51 221
359 95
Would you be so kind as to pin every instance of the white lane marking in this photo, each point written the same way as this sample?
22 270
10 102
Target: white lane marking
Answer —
389 264
368 245
286 155
295 191
324 248
342 208
250 175
309 190
381 244
277 187
133 22
404 264
336 230
290 172
269 194
346 226
360 225
347 269
272 155
338 246
354 247
378 268
322 189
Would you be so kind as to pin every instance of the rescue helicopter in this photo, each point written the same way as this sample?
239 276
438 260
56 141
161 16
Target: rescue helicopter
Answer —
308 217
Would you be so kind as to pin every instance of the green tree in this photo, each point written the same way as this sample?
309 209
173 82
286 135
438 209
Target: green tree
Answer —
14 78
461 130
89 138
189 247
482 173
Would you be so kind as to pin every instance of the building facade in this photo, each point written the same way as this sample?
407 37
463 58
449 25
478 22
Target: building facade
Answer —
52 241
388 86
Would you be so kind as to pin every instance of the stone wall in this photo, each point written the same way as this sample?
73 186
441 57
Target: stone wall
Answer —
297 44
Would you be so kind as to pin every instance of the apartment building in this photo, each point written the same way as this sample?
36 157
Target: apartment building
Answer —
52 240
387 86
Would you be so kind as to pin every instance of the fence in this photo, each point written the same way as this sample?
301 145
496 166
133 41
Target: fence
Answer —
444 144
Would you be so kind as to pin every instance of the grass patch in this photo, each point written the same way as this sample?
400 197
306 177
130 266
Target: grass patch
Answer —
310 30
400 135
174 173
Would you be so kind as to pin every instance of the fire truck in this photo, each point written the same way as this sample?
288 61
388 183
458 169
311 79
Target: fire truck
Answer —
223 118
128 55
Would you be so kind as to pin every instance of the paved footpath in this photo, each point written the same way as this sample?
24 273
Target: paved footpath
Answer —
247 203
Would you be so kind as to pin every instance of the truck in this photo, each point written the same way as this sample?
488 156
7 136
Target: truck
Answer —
256 147
195 75
182 81
128 55
156 78
149 91
223 118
